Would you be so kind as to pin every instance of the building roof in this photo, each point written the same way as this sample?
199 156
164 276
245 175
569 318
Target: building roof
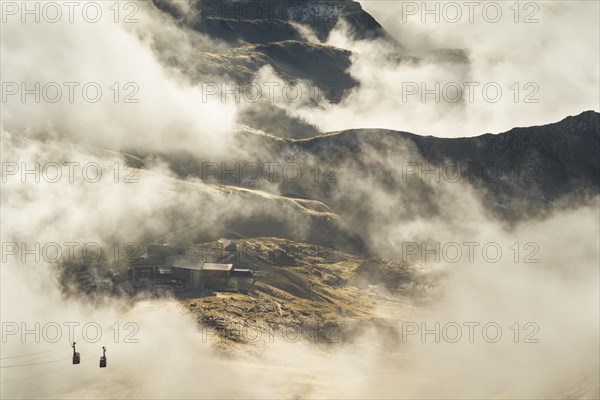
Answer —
242 273
216 267
184 262
191 263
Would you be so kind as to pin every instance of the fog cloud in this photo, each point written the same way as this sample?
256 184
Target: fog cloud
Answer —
174 357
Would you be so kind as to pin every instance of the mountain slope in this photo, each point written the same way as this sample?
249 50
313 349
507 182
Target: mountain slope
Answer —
522 173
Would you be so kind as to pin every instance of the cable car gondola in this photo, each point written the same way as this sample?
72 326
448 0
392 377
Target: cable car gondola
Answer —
103 358
76 356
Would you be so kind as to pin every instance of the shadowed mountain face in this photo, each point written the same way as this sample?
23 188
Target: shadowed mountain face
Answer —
288 58
550 160
286 36
264 21
267 25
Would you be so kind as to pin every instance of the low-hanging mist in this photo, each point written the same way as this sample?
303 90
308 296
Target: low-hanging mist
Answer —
369 213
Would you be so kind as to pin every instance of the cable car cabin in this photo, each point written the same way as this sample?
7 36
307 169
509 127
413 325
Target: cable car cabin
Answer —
103 358
76 356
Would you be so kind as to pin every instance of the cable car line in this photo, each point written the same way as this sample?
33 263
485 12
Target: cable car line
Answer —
75 358
43 362
27 365
33 354
35 376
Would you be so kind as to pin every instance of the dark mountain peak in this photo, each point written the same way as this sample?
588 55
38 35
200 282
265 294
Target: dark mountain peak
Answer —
586 120
552 160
